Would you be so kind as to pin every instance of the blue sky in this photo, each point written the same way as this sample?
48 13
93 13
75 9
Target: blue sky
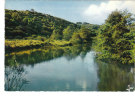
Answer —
94 12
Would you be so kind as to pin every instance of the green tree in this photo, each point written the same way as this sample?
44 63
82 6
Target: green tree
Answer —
76 38
68 32
56 35
85 34
114 39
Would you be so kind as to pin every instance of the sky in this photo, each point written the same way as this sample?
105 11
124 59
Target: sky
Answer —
91 11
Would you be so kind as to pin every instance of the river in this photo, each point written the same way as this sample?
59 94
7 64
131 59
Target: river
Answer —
72 68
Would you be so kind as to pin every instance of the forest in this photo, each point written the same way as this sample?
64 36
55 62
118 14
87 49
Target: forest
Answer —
113 40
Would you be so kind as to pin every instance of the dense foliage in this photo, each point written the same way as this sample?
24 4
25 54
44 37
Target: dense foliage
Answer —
116 38
20 24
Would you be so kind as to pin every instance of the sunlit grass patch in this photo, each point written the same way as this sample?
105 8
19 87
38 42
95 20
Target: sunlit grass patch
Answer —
60 43
22 43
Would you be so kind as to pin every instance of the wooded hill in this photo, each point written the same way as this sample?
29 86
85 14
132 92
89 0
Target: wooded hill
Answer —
20 24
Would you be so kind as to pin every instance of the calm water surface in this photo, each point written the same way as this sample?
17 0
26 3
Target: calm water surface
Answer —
64 69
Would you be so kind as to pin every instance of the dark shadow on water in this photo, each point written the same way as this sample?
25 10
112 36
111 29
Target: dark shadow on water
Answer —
114 76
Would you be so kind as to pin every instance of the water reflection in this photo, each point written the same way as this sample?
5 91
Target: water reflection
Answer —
63 75
63 69
114 76
45 54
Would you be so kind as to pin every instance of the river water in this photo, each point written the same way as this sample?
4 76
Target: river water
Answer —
72 68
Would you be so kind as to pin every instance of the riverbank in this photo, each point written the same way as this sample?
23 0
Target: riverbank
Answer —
18 44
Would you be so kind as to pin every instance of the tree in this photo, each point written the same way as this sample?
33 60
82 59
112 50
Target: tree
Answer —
114 38
76 38
67 32
56 35
32 10
85 34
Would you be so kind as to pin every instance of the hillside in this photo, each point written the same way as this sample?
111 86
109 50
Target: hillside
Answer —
30 29
20 24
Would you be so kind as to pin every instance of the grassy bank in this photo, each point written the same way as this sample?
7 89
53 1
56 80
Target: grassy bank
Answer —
17 44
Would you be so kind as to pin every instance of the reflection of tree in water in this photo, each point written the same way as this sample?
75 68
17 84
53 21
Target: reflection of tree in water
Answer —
73 52
85 50
15 73
114 77
77 50
15 78
47 54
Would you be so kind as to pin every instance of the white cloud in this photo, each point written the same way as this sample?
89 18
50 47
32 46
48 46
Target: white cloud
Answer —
97 14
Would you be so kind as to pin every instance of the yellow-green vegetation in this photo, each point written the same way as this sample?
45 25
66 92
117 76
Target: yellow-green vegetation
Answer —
22 43
14 44
28 52
45 49
60 43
